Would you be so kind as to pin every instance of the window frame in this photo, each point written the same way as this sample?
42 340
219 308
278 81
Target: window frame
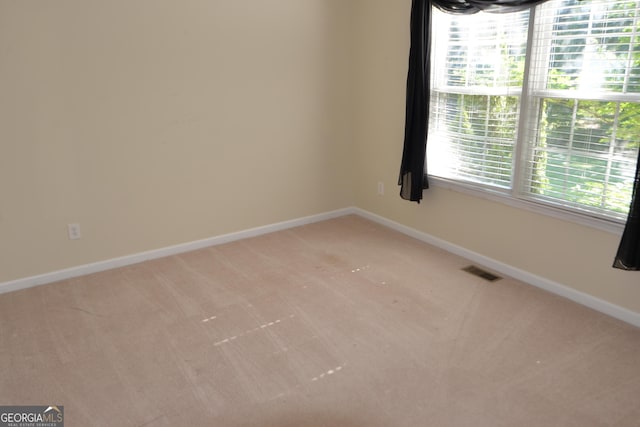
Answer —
516 196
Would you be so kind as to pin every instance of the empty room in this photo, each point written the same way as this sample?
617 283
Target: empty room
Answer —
319 213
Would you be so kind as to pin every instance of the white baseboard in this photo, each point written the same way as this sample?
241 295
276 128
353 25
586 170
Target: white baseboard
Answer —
587 300
582 298
95 267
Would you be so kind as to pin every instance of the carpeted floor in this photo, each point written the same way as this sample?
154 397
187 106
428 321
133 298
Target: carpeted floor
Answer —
338 323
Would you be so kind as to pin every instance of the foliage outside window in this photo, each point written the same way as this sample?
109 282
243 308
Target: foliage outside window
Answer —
542 105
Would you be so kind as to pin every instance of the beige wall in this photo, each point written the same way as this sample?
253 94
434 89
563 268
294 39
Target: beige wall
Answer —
156 122
571 254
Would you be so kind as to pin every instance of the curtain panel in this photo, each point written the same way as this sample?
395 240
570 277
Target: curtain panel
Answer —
628 256
413 174
413 177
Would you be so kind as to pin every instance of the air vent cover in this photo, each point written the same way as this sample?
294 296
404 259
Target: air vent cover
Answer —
477 271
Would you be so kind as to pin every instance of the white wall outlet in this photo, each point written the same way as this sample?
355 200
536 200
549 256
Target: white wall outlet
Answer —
381 188
74 231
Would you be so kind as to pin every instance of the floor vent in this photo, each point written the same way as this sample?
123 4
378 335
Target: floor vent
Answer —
476 271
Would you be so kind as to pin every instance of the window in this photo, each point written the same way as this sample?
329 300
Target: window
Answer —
541 105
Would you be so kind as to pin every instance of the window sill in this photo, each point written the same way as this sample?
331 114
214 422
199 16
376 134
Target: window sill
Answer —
612 226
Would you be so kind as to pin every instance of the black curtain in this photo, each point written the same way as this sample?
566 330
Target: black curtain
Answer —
628 256
413 175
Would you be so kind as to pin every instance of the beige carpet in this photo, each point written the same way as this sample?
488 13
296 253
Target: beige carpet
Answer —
339 323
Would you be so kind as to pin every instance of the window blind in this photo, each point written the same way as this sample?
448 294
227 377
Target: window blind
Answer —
478 71
542 105
585 92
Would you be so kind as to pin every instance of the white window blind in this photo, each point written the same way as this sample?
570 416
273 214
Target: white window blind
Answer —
477 81
543 105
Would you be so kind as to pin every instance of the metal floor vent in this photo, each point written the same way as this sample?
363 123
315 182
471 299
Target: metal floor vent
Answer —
477 271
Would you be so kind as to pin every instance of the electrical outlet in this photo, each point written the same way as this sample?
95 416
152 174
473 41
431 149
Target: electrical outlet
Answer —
73 230
381 188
